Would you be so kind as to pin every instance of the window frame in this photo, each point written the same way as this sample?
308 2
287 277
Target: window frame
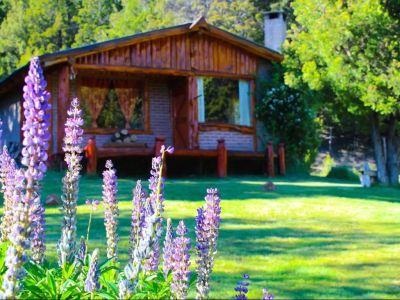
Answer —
220 126
146 107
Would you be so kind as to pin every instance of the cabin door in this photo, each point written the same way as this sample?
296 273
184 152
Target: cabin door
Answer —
180 113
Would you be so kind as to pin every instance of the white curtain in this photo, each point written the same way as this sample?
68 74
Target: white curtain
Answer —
200 100
244 103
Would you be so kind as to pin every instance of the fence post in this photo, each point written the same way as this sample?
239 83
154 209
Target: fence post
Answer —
281 158
270 160
222 159
91 155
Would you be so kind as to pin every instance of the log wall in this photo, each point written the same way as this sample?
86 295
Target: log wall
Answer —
191 52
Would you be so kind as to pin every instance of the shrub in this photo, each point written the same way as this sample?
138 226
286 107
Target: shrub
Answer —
289 117
343 172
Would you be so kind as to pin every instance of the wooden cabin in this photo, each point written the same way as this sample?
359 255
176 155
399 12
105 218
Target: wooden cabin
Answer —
192 86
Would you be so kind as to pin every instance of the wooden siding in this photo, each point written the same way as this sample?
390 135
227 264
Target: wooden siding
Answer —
194 53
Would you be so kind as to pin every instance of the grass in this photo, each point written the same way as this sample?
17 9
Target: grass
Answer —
311 238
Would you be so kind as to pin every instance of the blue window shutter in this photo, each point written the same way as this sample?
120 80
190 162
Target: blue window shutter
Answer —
200 100
244 102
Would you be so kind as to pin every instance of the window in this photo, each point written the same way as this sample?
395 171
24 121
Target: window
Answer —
225 101
112 104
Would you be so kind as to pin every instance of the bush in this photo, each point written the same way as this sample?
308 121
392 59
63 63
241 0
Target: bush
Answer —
343 172
288 117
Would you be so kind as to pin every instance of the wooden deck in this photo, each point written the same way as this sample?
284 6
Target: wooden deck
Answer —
220 153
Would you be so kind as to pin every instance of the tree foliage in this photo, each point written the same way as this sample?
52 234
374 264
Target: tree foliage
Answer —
351 47
35 27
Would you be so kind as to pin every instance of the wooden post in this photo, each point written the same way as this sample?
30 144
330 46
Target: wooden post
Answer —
222 159
160 140
270 160
91 155
281 158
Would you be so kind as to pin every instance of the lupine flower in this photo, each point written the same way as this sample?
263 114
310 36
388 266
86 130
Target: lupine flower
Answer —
207 228
156 186
81 253
138 217
7 176
5 161
92 283
139 254
94 204
19 238
110 209
125 289
34 152
168 249
181 263
242 288
151 232
267 295
73 149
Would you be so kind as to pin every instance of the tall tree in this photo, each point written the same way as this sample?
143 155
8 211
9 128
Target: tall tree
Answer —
34 27
139 16
352 47
93 20
12 32
239 17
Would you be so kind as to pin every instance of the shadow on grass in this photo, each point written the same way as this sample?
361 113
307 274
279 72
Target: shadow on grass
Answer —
236 188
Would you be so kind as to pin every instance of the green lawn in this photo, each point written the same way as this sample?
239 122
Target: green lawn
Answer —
311 238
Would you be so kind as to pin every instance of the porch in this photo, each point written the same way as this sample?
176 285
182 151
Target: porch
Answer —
269 159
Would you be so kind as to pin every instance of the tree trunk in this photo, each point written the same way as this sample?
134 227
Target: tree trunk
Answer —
378 151
392 152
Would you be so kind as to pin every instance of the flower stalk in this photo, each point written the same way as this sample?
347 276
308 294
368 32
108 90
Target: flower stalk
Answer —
111 211
207 229
73 156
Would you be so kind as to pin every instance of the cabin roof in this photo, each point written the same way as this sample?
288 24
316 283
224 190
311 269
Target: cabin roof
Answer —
70 54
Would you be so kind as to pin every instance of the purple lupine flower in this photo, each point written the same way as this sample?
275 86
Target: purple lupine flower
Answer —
156 198
92 283
168 249
81 253
19 238
73 149
34 152
5 161
207 229
181 263
267 295
152 229
142 251
138 217
242 289
7 177
110 209
125 289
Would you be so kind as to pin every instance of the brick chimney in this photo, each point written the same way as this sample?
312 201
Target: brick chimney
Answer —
274 30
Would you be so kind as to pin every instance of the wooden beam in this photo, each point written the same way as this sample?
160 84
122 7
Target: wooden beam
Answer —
158 71
281 159
225 127
91 155
270 160
222 160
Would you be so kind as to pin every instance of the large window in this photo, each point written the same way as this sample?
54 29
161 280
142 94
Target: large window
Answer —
112 104
224 101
